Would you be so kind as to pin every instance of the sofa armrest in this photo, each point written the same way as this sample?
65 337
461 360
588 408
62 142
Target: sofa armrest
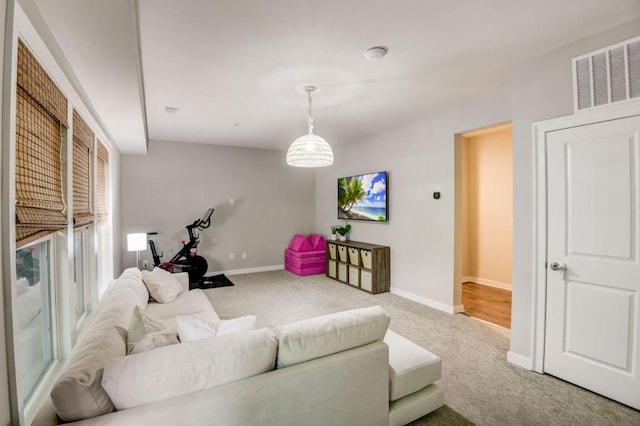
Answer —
183 277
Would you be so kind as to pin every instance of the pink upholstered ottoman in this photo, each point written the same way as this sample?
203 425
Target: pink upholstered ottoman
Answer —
306 255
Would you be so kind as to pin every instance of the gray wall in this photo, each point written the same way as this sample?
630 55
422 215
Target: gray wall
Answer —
420 160
541 89
176 182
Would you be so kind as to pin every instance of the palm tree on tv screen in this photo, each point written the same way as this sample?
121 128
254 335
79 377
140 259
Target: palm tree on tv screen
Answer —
350 191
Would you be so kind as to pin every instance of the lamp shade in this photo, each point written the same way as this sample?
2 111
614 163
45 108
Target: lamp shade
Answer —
310 151
136 242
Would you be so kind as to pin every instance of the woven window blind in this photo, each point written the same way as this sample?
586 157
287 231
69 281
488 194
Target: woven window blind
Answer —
82 156
102 159
41 109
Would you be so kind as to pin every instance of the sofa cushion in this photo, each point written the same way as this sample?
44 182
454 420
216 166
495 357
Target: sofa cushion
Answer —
300 243
317 337
162 285
317 242
188 367
236 325
187 303
411 367
78 393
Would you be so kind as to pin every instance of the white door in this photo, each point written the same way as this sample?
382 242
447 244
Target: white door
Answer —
592 331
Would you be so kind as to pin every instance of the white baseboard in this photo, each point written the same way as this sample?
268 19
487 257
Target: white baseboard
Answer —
425 301
248 270
519 360
490 283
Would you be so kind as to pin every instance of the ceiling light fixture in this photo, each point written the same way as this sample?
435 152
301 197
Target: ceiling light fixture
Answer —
375 53
310 150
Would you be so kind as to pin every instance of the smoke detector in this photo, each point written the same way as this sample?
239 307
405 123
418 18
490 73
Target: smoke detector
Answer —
375 53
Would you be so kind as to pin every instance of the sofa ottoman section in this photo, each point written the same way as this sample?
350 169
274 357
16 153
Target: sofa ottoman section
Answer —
412 373
307 263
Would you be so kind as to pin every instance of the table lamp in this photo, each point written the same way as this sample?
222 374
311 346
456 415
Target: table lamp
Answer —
137 242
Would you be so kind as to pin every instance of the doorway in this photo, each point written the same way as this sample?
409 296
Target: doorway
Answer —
484 223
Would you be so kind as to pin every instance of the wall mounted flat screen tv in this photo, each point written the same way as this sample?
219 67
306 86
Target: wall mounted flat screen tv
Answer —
363 197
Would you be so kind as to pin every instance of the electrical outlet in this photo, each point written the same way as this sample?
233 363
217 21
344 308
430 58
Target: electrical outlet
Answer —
232 256
244 255
145 264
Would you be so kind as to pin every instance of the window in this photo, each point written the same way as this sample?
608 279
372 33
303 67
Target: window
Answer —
41 119
35 321
80 272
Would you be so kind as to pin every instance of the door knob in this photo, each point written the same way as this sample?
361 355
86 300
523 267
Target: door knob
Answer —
555 266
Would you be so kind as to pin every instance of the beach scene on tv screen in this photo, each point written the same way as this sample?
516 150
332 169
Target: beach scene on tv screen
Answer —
363 197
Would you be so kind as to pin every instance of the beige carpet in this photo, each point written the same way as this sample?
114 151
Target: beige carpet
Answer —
478 382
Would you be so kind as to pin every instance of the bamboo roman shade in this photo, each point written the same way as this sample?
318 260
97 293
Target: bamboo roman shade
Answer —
41 110
101 185
82 150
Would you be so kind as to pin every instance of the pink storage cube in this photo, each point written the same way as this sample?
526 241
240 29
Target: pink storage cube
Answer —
300 243
317 242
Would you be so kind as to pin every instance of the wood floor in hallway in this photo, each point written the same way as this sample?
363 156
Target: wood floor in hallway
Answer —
487 303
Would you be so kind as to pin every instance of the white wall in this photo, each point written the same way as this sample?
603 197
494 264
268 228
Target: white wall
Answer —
541 89
176 182
115 170
420 160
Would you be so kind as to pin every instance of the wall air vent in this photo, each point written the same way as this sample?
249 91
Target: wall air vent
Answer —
607 76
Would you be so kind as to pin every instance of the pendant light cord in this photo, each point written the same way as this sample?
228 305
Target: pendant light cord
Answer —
310 116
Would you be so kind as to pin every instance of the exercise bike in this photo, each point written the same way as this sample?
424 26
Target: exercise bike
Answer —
187 259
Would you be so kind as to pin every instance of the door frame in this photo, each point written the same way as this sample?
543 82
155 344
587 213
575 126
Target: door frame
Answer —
539 134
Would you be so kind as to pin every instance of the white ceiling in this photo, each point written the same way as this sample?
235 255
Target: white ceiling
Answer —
235 69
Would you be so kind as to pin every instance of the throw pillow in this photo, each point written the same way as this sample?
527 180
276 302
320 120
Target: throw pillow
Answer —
146 333
236 325
163 287
155 340
190 329
188 367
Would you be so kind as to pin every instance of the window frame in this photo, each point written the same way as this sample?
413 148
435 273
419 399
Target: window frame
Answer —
84 279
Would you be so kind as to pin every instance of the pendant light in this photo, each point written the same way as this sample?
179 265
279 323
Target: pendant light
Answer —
310 150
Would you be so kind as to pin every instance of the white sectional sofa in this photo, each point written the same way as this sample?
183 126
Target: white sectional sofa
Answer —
341 369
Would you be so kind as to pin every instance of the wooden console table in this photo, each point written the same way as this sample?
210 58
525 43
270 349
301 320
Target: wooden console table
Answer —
361 265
